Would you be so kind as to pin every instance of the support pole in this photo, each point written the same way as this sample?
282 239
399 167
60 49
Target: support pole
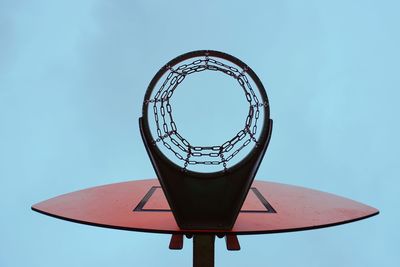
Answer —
203 250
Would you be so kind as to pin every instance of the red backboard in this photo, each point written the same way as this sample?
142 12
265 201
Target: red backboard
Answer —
141 206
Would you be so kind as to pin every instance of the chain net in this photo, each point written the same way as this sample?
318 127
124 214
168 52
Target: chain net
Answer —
167 131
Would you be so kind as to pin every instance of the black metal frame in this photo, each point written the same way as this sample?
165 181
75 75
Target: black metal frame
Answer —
206 200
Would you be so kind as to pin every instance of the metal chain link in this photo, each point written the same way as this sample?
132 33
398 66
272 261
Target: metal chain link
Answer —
167 130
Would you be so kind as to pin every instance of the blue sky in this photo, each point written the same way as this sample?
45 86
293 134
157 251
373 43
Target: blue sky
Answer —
72 79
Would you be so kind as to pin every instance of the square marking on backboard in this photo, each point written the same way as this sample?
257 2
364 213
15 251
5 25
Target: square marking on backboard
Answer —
155 201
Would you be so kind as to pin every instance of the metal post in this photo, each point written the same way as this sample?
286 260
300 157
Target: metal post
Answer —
203 250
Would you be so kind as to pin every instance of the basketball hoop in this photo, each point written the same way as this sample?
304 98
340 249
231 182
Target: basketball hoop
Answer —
205 204
173 155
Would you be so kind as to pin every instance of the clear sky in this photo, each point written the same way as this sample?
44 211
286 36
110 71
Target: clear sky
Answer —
72 79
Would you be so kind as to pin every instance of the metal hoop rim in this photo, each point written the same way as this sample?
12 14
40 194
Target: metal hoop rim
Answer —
212 53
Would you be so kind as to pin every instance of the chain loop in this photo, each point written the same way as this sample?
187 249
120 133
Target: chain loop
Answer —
166 128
